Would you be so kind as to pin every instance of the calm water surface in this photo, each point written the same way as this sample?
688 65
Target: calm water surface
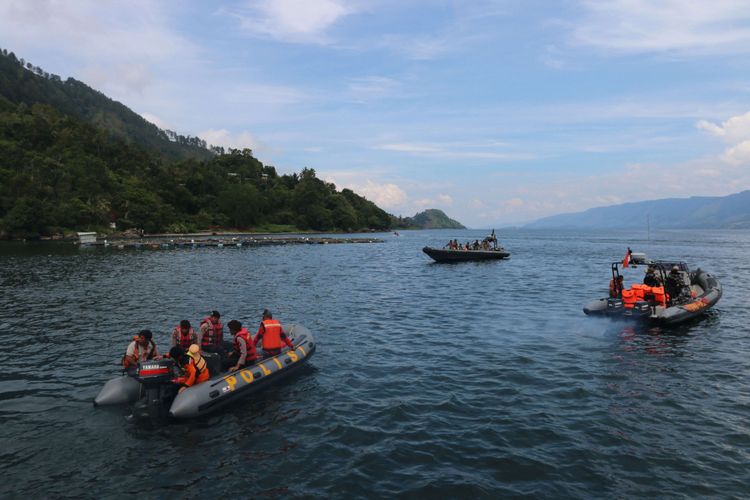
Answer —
465 380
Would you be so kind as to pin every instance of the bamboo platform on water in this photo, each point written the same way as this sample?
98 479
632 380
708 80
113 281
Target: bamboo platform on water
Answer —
161 242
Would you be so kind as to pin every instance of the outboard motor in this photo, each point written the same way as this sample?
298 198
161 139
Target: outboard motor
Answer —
158 391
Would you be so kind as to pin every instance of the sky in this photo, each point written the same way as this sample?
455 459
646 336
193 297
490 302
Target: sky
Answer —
496 112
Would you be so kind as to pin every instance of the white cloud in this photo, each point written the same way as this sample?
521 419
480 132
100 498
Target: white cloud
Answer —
445 200
738 154
734 131
385 195
737 128
226 139
155 120
456 151
301 21
118 44
637 26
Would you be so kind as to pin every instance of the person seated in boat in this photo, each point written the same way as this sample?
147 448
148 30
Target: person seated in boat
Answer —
272 335
243 353
194 368
651 279
674 285
467 246
211 334
142 348
183 335
615 287
191 363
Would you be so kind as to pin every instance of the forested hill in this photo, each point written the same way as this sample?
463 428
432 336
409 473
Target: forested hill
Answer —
61 173
432 218
698 212
22 82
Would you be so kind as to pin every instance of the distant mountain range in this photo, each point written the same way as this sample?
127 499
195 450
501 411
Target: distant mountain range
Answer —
432 218
697 212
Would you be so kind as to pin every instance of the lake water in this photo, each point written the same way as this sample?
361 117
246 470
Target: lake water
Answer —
430 380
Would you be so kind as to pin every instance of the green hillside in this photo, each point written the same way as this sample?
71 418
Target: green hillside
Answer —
431 218
22 82
60 173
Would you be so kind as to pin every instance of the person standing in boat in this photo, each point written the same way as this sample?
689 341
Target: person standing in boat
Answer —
272 335
211 334
183 335
244 349
142 348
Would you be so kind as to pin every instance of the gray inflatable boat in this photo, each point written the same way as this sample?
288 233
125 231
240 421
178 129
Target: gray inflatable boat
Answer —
695 294
149 387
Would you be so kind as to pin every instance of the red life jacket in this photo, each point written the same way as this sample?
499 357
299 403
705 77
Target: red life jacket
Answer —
271 334
215 333
185 341
245 335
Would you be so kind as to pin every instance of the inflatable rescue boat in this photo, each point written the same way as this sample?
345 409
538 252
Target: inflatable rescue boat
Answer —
150 388
676 294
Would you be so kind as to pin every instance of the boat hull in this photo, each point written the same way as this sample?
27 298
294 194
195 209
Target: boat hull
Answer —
444 255
220 391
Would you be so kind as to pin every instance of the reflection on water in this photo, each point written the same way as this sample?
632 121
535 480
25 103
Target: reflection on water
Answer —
481 379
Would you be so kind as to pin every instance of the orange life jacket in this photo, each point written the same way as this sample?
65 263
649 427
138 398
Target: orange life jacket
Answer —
185 341
639 290
659 296
629 298
215 333
195 372
271 334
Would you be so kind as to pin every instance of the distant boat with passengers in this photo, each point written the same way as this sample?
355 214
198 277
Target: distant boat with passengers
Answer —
487 249
669 293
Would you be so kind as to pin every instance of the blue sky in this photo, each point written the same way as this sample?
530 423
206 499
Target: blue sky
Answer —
497 112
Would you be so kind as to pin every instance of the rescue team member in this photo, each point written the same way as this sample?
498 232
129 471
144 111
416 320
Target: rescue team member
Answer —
193 365
615 287
183 335
142 348
650 279
272 335
211 334
244 350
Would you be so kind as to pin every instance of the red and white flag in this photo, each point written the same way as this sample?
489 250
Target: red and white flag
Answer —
626 260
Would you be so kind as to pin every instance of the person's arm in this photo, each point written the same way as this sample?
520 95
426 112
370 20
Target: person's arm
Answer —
174 338
188 379
130 358
202 332
259 335
286 340
243 355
